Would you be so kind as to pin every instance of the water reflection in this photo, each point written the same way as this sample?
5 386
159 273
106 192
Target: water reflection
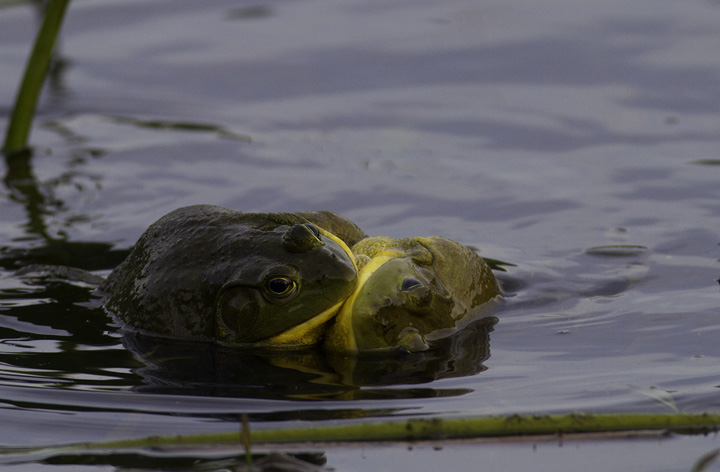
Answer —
173 366
41 204
23 187
250 13
52 336
159 459
80 254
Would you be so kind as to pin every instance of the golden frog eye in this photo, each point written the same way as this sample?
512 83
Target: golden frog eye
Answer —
410 283
281 287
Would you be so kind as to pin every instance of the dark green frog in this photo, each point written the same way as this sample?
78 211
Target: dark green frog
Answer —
207 272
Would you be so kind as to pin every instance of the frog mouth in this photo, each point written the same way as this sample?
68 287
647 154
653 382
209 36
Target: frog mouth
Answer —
305 334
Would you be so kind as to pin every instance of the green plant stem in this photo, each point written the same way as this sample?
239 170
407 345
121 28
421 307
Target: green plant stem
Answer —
426 429
16 138
455 428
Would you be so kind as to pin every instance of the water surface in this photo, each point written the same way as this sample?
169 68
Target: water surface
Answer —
578 142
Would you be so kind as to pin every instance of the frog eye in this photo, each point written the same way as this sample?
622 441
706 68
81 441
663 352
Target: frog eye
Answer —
410 283
281 287
313 229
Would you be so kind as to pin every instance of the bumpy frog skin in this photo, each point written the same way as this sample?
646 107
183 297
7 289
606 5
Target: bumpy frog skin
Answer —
205 272
410 292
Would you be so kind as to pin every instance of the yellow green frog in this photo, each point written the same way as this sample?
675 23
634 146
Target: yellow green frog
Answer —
410 292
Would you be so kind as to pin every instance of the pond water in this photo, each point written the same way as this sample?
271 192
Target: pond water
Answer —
576 142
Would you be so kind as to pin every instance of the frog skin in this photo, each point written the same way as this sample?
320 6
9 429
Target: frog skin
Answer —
344 229
410 292
206 272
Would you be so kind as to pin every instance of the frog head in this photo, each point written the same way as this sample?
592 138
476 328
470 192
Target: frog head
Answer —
206 272
410 292
293 286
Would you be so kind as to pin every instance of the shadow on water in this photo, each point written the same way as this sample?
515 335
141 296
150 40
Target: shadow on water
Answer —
50 312
59 339
177 367
222 459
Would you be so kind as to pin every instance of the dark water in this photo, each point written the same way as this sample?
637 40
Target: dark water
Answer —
578 141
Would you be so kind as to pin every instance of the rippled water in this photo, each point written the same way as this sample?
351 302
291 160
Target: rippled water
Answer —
578 141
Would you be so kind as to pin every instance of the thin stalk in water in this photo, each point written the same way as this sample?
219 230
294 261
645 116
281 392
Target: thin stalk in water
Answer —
16 138
416 430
